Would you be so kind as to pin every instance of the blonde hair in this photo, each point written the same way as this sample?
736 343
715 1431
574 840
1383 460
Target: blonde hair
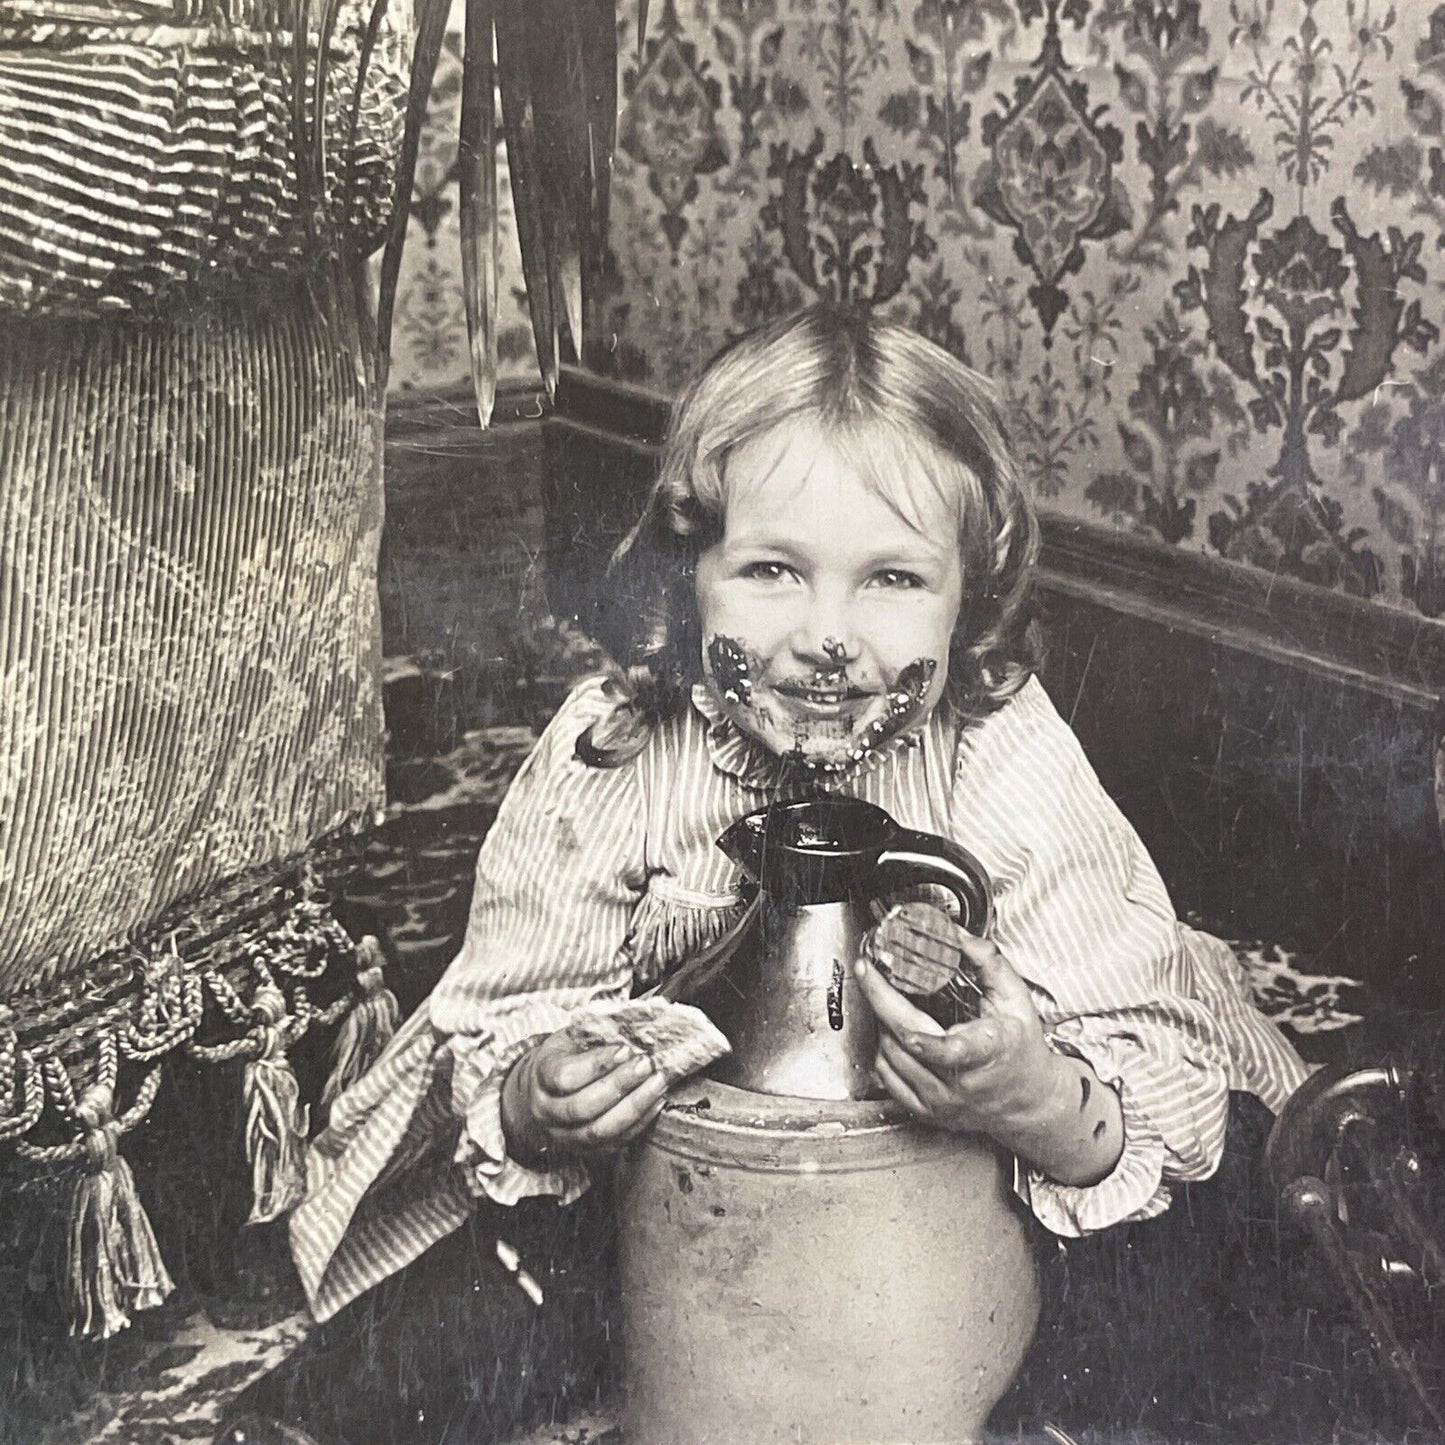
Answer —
855 375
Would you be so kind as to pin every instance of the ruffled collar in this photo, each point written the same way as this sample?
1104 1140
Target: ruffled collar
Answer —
741 756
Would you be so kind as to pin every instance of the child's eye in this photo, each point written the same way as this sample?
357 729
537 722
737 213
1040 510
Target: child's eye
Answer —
767 571
896 577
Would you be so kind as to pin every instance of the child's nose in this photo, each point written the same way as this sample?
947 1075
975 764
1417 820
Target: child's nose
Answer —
826 642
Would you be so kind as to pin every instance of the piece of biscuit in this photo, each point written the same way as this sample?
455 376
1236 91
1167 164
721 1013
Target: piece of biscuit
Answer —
678 1038
919 949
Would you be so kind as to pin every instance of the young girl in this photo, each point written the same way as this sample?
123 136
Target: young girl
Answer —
830 585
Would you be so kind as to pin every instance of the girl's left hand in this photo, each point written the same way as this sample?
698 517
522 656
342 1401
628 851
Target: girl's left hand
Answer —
994 1074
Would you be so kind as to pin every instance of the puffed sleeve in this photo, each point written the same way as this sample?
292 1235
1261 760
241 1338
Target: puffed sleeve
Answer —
1161 1012
409 1147
558 877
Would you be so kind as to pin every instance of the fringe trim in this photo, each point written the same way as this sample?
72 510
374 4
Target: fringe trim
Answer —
668 931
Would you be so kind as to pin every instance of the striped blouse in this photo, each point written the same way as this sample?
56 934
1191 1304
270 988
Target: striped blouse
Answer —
593 882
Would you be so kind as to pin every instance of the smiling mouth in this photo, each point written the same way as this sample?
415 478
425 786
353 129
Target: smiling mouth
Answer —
822 698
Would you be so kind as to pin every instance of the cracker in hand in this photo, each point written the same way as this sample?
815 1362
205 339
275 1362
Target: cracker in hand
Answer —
919 949
678 1038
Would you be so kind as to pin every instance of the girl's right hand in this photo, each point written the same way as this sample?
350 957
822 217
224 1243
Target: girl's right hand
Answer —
565 1099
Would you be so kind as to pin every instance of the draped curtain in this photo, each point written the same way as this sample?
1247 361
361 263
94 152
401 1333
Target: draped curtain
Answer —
190 450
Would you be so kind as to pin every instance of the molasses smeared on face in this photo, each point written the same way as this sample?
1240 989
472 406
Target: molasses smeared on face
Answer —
728 663
856 725
907 703
829 678
906 699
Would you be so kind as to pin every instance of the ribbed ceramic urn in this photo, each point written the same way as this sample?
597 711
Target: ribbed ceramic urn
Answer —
817 1271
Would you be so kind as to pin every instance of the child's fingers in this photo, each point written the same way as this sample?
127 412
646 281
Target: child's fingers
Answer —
930 1090
620 1122
962 1050
594 1099
997 977
899 1087
948 1090
565 1067
894 1012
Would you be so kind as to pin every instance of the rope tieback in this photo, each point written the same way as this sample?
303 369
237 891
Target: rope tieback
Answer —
20 1081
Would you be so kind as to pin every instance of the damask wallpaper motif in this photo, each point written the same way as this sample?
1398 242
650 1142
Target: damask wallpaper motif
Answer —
1197 243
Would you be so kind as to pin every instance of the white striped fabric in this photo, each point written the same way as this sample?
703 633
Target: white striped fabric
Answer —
583 865
142 161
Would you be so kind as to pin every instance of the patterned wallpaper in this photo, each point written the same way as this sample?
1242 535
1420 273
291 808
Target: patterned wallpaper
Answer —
1198 243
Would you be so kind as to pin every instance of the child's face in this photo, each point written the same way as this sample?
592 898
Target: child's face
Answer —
826 615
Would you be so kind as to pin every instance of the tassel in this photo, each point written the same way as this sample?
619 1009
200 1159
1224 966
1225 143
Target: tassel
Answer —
367 1028
113 1263
276 1121
144 1276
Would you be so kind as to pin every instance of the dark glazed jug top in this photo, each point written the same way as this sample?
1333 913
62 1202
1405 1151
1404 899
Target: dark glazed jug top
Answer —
819 850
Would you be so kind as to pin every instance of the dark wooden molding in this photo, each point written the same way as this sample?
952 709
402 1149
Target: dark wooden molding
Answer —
1385 648
621 410
1292 620
445 418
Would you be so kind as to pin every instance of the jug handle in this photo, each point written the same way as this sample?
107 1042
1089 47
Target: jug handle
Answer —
912 858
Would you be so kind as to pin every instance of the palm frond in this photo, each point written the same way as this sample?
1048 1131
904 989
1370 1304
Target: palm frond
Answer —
321 84
430 28
477 163
307 185
597 28
519 122
353 119
559 106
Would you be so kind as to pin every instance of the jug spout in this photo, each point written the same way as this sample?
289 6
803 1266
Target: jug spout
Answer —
813 850
743 843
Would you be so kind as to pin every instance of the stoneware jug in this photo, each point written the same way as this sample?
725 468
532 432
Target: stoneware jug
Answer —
781 985
800 1262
